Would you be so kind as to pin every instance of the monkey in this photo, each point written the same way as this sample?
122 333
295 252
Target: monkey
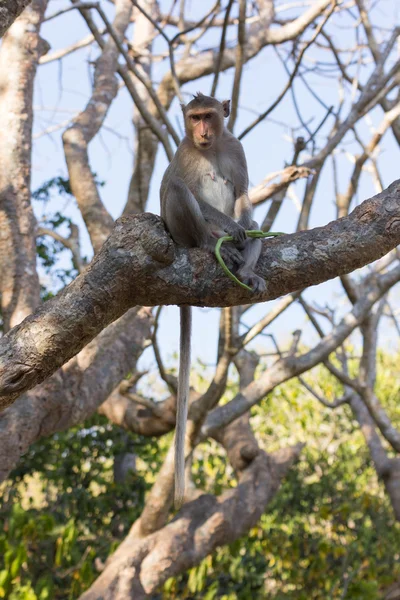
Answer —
203 196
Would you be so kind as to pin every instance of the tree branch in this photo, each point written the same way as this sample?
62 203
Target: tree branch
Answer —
140 256
74 392
9 11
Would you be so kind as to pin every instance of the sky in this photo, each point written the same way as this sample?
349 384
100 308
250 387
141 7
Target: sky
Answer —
62 90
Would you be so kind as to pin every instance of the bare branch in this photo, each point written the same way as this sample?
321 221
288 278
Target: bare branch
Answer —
240 55
221 48
291 78
288 367
59 54
169 379
170 48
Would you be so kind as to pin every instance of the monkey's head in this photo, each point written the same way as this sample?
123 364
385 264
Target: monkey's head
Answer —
204 120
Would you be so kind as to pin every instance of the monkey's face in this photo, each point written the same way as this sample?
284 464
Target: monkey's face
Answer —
204 127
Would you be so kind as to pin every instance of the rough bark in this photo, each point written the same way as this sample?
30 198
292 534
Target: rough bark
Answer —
75 392
136 266
19 54
9 11
140 566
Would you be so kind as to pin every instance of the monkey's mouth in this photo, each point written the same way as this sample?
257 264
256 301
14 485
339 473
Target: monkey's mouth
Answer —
206 145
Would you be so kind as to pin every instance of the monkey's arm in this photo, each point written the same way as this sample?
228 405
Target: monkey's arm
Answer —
243 212
240 178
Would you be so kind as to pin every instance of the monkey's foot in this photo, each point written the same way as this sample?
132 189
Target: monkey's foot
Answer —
252 280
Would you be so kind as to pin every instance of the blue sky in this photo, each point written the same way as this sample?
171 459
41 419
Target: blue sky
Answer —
62 90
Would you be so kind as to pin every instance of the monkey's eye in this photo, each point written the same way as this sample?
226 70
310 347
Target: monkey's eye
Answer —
195 117
208 116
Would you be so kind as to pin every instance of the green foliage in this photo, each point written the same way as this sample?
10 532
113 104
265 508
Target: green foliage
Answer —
60 185
50 250
64 510
328 534
330 531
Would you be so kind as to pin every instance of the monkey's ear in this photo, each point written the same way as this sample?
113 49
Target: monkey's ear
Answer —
226 104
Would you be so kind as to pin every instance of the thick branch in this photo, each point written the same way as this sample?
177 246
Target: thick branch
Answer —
75 392
9 11
136 266
20 51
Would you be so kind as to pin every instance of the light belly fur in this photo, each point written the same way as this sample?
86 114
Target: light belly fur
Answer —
218 191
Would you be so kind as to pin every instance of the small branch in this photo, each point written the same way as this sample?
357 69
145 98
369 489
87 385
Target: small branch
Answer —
71 243
240 57
263 192
221 50
291 77
282 305
62 52
167 377
335 404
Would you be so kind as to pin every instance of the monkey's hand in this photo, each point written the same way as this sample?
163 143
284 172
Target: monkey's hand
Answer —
231 257
238 234
251 279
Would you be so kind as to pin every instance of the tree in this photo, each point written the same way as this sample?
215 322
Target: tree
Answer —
63 359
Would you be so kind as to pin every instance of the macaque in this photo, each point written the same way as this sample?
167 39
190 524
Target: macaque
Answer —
204 195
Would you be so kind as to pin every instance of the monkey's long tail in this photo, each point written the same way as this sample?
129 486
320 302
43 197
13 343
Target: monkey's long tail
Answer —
182 404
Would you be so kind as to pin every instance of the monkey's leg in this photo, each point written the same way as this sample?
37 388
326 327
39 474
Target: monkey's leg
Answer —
251 253
187 225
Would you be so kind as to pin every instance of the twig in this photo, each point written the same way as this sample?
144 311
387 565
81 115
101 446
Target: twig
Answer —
62 52
291 77
240 56
282 305
148 118
337 402
221 49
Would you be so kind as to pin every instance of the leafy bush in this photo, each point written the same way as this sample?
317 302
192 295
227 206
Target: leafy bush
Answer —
329 533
